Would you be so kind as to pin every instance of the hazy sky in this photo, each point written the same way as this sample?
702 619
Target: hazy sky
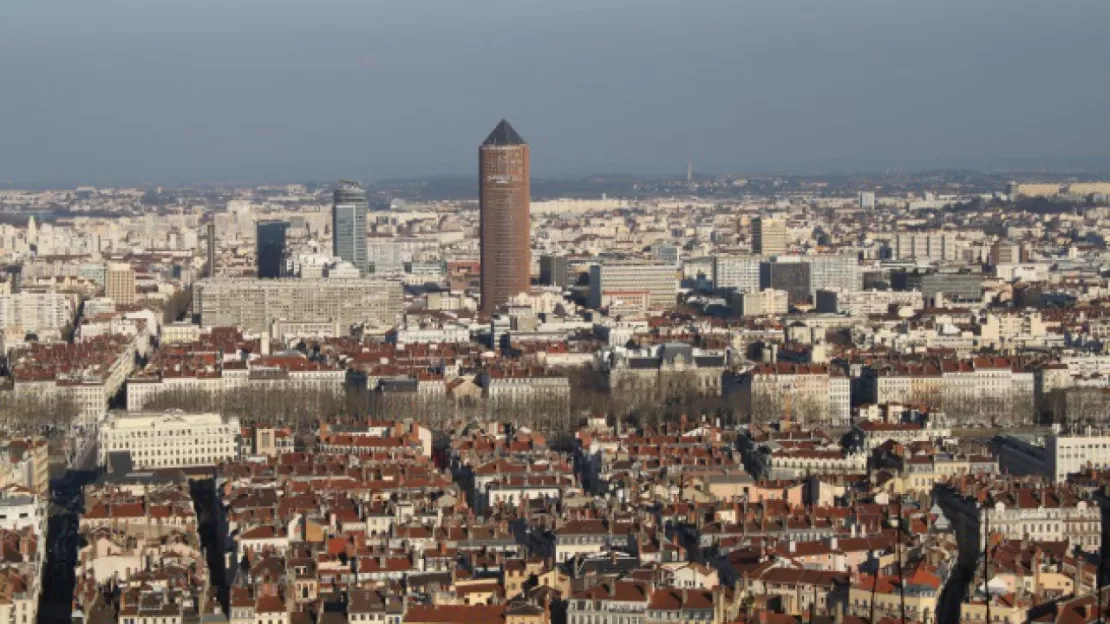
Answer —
156 91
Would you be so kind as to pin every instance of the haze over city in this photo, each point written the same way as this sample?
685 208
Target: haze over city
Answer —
169 93
522 312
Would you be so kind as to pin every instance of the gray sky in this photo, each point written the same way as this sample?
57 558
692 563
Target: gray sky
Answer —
226 90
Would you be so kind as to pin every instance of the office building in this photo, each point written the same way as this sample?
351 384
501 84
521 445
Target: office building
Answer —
954 286
768 236
168 440
553 271
793 277
348 224
255 305
504 186
270 244
618 279
866 200
119 283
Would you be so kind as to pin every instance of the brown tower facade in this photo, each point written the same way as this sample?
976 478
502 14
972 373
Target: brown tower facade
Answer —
505 190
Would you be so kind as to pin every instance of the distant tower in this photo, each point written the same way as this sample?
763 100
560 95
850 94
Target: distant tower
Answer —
689 172
32 231
270 244
504 184
768 236
348 224
211 249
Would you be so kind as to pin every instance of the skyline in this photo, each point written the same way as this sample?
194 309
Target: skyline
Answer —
240 94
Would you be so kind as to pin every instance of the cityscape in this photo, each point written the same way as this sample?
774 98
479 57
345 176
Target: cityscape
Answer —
719 394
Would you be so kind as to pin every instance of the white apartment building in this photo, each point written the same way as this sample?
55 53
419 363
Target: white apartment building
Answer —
660 281
519 388
169 439
988 383
1068 454
866 302
254 305
839 270
388 255
928 246
36 312
1045 515
740 273
769 302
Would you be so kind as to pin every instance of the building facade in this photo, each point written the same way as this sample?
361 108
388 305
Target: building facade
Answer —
659 281
119 283
255 305
768 236
169 440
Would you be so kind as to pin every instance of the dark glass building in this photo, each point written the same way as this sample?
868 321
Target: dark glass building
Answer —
270 244
504 185
793 277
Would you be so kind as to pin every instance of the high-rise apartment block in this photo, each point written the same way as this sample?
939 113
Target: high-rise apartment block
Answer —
270 244
739 273
348 224
768 236
504 185
119 283
255 305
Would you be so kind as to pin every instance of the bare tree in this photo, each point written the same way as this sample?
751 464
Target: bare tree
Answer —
26 415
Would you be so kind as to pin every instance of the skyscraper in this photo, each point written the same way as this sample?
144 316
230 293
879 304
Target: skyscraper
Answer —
270 244
211 268
504 184
768 236
348 224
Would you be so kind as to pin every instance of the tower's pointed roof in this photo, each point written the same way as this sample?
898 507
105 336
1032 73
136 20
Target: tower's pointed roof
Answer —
503 135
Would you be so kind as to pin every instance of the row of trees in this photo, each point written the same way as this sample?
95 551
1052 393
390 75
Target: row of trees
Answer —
300 408
26 415
549 413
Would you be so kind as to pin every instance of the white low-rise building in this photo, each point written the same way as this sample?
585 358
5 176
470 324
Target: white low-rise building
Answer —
169 439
